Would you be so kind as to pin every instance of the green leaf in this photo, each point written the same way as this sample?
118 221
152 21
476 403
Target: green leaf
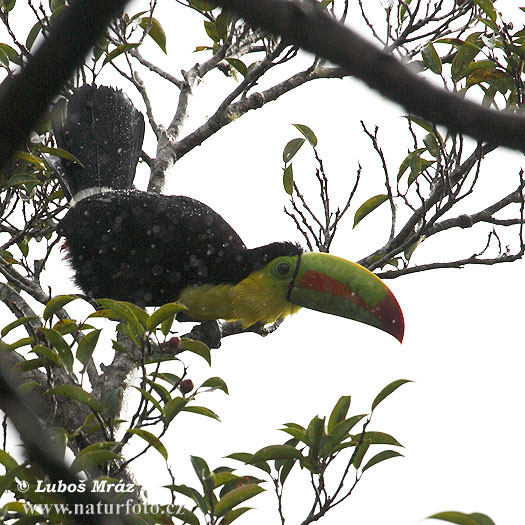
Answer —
156 32
201 468
339 412
87 346
202 5
360 453
56 304
164 312
461 518
431 58
151 439
147 395
315 432
488 7
211 31
192 493
60 344
173 408
11 54
308 134
91 458
21 178
236 496
392 387
31 37
62 153
215 383
378 438
465 55
7 460
291 149
382 456
123 48
11 326
296 431
4 58
203 411
233 515
196 347
288 179
76 393
239 65
368 206
276 452
432 145
51 355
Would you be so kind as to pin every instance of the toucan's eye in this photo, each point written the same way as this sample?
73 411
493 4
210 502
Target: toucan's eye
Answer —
283 268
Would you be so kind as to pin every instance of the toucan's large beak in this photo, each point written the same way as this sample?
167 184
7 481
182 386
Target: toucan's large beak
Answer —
335 286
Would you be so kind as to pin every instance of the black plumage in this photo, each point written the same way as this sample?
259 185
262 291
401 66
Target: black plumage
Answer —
132 245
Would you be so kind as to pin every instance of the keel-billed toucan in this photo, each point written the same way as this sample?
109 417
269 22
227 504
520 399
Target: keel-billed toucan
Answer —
151 249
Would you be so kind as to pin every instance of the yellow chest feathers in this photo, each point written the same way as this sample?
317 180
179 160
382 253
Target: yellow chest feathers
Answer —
255 299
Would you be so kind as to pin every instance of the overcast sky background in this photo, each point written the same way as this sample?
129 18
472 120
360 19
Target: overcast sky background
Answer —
461 421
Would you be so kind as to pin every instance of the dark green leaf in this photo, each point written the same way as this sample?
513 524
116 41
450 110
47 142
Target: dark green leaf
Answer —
238 65
203 411
91 458
431 58
11 54
233 515
196 347
291 149
360 453
156 32
49 354
378 438
62 153
460 518
211 31
388 390
276 452
119 50
78 394
151 439
382 456
164 312
215 383
201 468
31 37
339 412
192 493
236 496
288 179
488 7
60 344
173 408
368 206
432 145
147 395
465 55
315 432
202 5
11 326
87 346
308 134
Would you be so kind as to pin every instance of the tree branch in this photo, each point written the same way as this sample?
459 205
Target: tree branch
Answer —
305 25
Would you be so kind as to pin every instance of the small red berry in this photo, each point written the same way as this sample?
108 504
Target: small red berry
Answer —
174 343
186 386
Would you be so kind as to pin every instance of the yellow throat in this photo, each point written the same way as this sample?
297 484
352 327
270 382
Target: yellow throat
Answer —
257 298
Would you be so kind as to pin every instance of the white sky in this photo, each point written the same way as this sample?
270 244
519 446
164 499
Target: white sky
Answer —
460 421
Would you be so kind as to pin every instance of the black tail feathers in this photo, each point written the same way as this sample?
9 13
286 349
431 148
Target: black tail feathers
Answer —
101 127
